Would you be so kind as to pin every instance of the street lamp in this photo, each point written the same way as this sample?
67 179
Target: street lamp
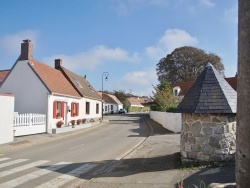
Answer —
105 74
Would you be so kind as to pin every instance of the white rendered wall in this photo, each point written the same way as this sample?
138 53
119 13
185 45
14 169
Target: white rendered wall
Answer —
82 110
6 118
30 93
171 121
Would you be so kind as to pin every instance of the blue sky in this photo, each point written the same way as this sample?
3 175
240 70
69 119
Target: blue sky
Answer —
126 38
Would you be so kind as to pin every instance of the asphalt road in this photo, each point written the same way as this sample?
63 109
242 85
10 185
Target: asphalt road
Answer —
73 159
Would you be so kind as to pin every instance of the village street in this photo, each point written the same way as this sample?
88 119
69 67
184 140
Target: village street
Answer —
88 152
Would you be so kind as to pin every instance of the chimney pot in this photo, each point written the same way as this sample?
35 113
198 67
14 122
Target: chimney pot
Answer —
58 64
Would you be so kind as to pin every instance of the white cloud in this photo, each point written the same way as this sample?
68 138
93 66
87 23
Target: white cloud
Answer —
91 59
137 82
172 38
208 3
136 78
11 43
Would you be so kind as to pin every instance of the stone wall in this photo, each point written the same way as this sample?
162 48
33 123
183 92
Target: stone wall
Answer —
208 137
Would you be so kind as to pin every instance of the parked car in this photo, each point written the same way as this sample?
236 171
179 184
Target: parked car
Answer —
122 111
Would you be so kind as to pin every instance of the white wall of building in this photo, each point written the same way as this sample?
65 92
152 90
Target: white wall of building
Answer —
30 93
6 118
107 108
82 110
171 121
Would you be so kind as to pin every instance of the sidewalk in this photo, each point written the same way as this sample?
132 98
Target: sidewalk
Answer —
154 164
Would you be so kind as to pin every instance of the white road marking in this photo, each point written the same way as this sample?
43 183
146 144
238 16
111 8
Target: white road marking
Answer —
111 132
21 168
20 180
65 178
76 146
3 159
12 162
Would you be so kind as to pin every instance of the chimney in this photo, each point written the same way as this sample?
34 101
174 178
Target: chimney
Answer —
58 64
26 50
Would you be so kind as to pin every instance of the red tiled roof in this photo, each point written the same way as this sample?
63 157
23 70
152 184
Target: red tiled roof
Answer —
134 101
185 86
54 79
3 74
115 99
232 82
108 98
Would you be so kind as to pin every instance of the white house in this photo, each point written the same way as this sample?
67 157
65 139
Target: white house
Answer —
111 103
56 92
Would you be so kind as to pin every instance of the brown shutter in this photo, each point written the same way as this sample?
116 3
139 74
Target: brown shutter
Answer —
77 109
72 109
54 109
62 110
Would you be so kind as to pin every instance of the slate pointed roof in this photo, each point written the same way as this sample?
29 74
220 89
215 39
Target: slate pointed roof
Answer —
210 93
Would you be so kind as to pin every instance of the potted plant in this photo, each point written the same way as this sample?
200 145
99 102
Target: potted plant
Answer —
73 123
79 121
59 124
84 120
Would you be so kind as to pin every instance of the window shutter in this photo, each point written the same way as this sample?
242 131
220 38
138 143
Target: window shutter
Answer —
77 109
72 109
62 110
54 109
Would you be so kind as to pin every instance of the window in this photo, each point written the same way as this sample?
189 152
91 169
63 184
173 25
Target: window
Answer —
106 108
97 108
111 107
87 107
176 90
58 109
74 109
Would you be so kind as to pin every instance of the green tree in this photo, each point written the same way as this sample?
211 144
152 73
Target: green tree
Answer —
185 64
164 100
121 95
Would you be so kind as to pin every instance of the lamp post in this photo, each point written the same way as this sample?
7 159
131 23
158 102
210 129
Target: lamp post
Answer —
105 74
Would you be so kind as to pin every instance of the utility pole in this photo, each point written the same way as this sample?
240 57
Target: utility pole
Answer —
243 97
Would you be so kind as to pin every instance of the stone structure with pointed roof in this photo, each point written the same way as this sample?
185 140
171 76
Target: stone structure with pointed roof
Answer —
209 94
208 119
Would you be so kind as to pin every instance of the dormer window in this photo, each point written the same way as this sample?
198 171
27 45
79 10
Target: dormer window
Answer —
176 90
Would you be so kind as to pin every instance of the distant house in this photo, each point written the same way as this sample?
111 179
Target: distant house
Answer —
3 74
111 103
181 88
56 92
139 102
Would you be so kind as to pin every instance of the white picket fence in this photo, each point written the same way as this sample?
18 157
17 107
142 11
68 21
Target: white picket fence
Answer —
26 124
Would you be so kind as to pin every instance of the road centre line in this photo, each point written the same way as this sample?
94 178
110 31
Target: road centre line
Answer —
111 132
76 146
